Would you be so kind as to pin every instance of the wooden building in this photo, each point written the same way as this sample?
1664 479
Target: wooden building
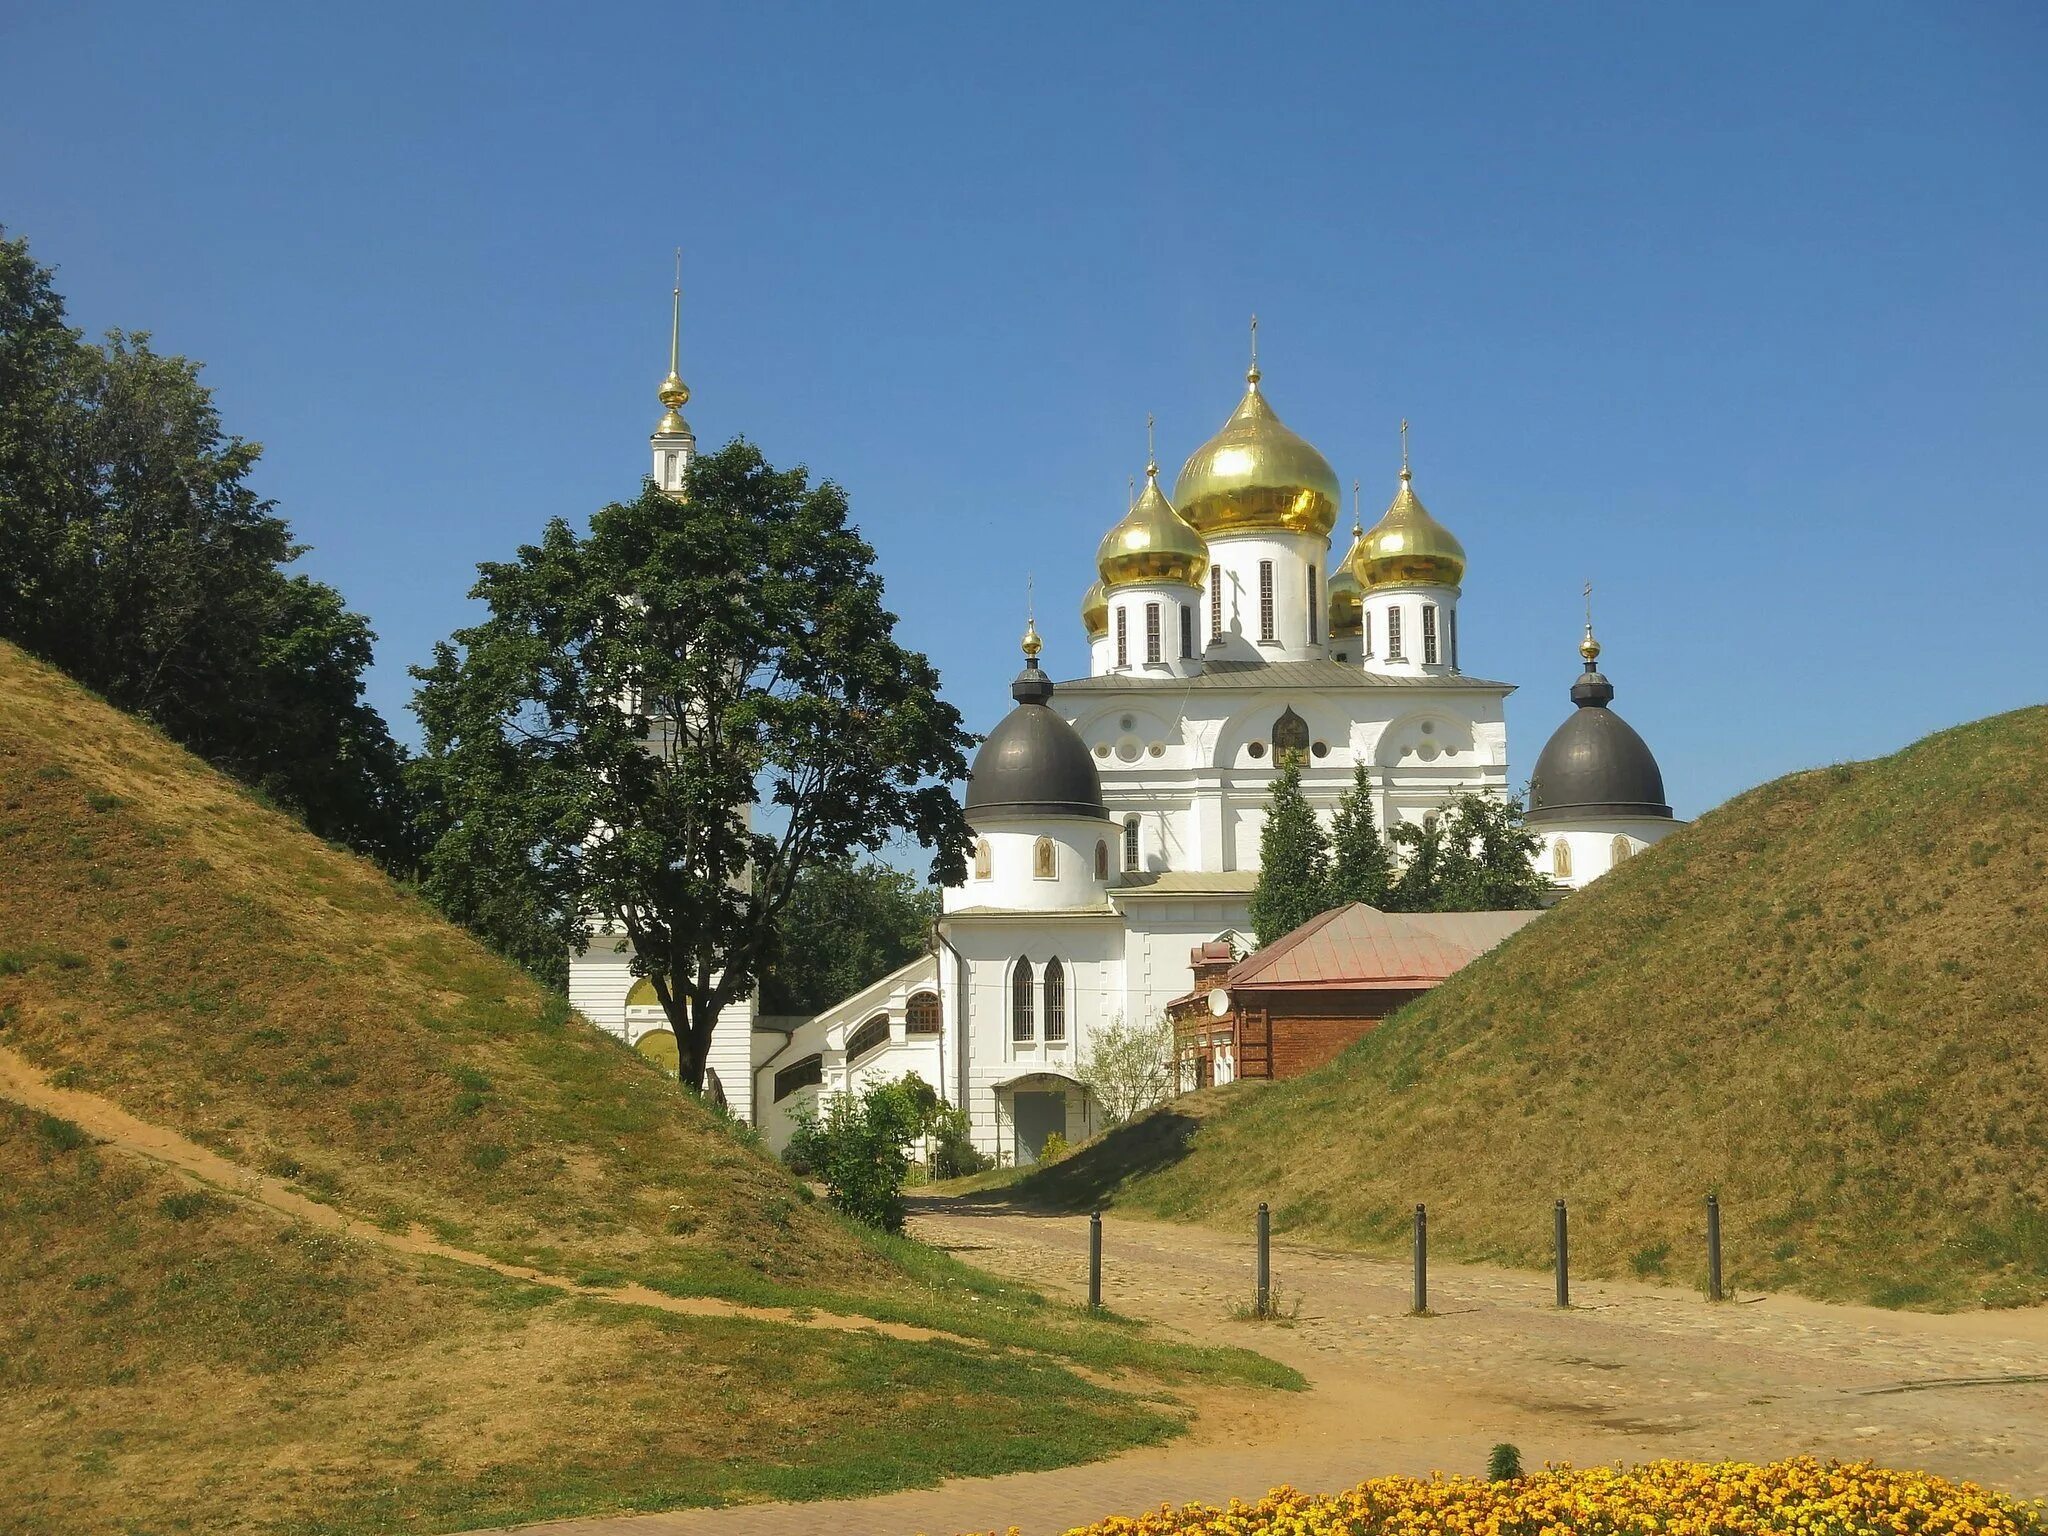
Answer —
1288 1008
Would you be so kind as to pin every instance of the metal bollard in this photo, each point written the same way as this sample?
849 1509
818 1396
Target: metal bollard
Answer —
1421 1260
1713 1247
1564 1263
1095 1262
1265 1298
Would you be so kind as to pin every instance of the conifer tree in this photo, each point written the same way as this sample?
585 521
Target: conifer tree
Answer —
1361 869
1294 859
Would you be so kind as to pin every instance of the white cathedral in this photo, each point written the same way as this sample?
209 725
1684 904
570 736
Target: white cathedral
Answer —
1117 816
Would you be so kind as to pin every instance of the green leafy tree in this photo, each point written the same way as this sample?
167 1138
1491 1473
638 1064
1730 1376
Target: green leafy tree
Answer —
860 1149
849 922
602 733
1361 867
1127 1068
1473 855
1294 859
134 555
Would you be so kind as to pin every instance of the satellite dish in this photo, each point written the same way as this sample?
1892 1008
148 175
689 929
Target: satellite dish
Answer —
1219 1001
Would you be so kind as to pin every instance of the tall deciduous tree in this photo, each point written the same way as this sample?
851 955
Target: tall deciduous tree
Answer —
1361 868
1473 855
1294 859
604 730
134 555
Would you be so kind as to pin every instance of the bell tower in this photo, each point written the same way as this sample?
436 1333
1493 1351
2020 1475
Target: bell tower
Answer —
673 443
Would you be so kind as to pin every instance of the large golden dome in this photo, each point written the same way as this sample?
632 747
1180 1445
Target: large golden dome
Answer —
1408 547
1095 611
1152 543
1256 476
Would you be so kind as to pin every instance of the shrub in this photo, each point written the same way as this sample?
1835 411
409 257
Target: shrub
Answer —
1505 1464
60 1135
1054 1149
861 1149
954 1154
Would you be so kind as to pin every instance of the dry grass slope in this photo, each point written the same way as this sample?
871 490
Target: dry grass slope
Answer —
1828 1001
173 1356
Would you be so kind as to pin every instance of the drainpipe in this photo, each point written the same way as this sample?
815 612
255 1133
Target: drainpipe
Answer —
941 942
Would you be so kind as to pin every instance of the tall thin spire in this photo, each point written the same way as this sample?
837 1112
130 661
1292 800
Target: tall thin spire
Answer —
1151 456
1357 522
1589 648
1032 644
674 393
1252 374
1404 447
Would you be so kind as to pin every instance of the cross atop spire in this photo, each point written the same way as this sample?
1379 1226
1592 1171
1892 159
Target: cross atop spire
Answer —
1032 644
674 393
1357 522
1252 374
1589 648
1404 447
1151 457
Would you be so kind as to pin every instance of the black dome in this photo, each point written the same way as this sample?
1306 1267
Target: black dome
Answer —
1595 764
1033 763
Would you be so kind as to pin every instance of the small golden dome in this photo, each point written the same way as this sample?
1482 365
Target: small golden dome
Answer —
1408 547
1032 644
1257 476
1095 611
674 393
1346 598
1152 543
1589 648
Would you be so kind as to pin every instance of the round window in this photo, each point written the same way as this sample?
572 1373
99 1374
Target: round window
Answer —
1128 750
1157 749
1128 721
1257 749
1429 727
1321 749
1102 749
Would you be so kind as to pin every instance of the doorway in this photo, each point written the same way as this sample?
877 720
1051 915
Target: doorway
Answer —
1035 1115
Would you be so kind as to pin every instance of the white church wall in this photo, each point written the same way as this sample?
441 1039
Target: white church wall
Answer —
1293 556
1161 934
1594 845
1416 624
1019 876
600 981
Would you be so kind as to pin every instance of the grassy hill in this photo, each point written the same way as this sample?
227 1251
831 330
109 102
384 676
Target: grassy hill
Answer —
178 1356
1827 1001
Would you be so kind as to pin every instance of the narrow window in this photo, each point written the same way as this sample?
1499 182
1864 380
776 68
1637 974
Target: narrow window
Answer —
1055 1002
807 1073
1042 859
1187 631
669 472
1313 605
1394 635
1215 601
1451 620
1623 849
1265 599
1131 843
1429 634
1123 638
1365 635
922 1016
1561 859
1102 860
871 1036
1152 651
1021 1029
1290 733
981 858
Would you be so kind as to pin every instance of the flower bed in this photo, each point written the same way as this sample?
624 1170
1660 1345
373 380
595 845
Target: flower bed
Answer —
1801 1497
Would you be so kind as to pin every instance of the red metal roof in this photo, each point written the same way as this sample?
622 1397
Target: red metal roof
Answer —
1361 947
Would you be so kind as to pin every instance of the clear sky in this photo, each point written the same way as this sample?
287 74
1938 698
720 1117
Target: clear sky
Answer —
1739 312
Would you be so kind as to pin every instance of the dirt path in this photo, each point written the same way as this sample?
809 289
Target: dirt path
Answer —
108 1123
1632 1372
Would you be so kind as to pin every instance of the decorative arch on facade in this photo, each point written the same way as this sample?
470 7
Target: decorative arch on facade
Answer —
922 1015
870 1037
1427 736
807 1073
1055 1001
1623 848
1105 731
659 1047
1102 859
983 861
1290 733
1131 849
1254 723
1023 1019
1561 859
642 993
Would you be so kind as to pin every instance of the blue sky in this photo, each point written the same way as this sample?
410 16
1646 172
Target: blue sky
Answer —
1738 311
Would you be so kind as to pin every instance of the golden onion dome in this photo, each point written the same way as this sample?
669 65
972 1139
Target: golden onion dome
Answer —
1256 476
1408 547
1152 543
1095 611
1346 598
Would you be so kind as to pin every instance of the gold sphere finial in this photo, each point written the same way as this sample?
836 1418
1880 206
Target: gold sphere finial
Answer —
1032 643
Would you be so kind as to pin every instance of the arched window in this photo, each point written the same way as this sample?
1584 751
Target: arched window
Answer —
1152 635
1187 630
1022 1029
1394 635
1561 859
659 1046
981 858
1043 865
1131 844
1429 634
1265 599
921 1015
1055 1001
1123 635
1365 635
642 995
1102 859
807 1073
1313 605
1623 848
869 1037
1215 601
1290 733
1451 630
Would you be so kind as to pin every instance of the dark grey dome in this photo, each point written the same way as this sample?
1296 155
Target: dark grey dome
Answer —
1033 764
1595 764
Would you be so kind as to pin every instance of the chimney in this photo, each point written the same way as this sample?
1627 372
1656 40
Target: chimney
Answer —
1210 962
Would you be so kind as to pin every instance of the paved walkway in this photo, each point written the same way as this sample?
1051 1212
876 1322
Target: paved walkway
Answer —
1630 1373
